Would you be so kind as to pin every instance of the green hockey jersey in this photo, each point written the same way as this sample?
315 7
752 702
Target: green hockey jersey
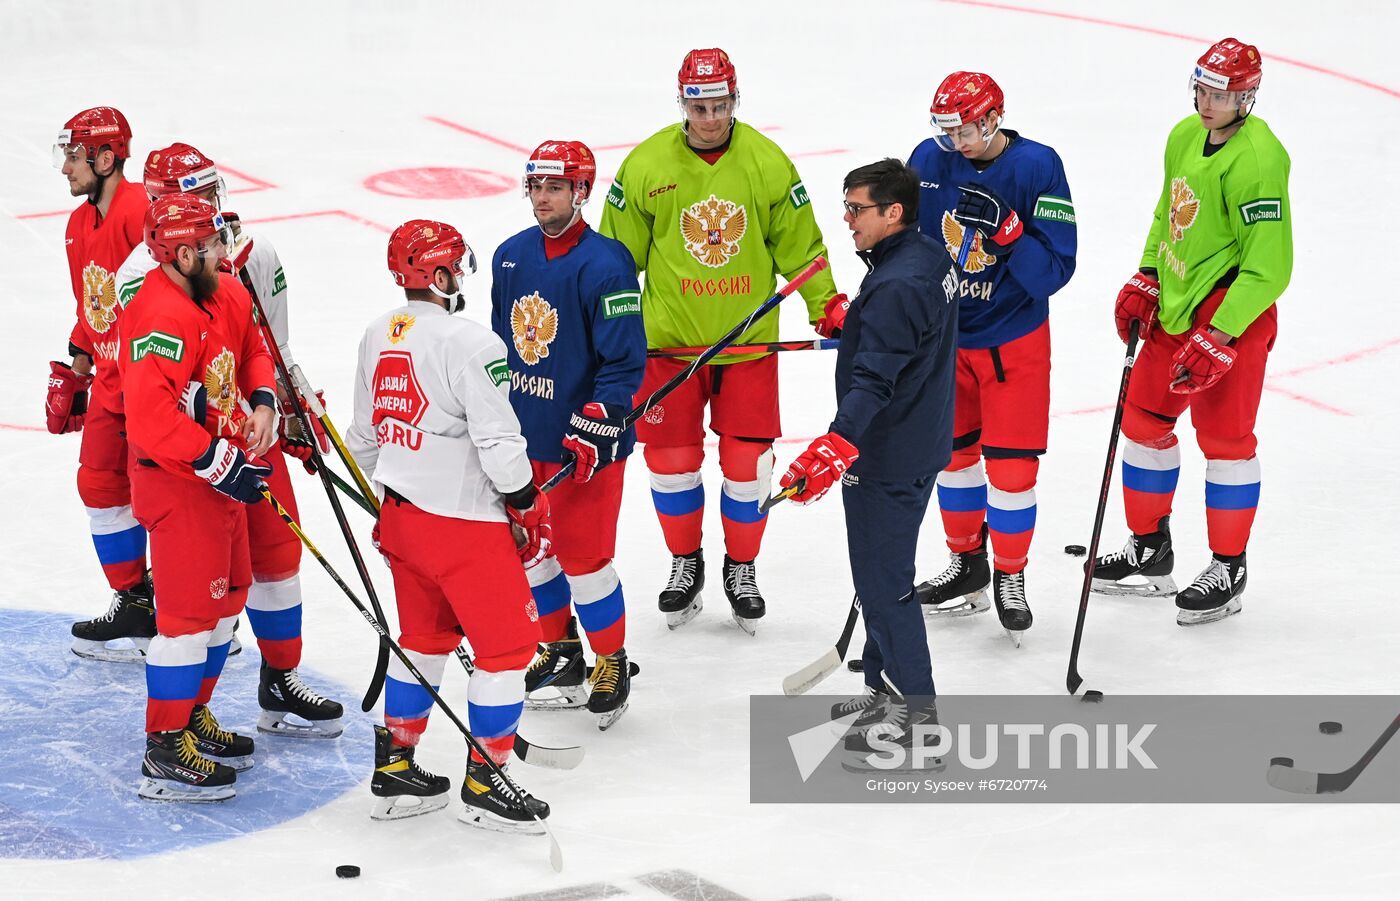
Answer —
1227 211
711 239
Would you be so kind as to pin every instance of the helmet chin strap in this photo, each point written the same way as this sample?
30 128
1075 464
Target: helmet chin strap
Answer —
578 208
456 301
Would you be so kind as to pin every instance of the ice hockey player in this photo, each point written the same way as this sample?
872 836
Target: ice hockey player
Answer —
565 301
711 210
434 431
200 407
92 150
975 174
1218 255
893 430
290 707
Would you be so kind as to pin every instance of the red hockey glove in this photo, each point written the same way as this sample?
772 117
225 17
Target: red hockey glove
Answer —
834 319
528 509
593 437
819 466
1138 300
66 404
982 208
1201 362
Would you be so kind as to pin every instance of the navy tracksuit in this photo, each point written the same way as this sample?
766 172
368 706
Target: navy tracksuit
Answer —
895 374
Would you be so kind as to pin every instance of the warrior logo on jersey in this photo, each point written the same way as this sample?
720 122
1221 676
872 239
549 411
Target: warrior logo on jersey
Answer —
1183 209
533 324
99 298
712 230
399 326
219 381
977 258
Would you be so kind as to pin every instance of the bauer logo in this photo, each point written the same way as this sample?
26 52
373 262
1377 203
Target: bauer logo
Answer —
1265 209
622 303
615 196
1055 209
160 344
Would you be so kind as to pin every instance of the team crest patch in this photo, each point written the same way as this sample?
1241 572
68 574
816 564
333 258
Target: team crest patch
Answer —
977 258
1054 209
399 326
219 381
532 610
1184 207
498 372
99 298
622 303
1265 209
656 415
218 588
160 344
533 325
712 230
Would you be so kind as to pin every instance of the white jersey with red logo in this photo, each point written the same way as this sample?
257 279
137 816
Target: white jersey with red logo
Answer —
433 419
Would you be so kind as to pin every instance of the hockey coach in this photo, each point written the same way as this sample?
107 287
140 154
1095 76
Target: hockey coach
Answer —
893 430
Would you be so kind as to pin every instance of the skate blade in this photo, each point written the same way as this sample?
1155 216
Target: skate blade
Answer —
969 604
401 807
568 698
1015 636
481 819
749 626
165 790
105 652
859 765
235 647
1154 587
681 617
1201 617
239 764
605 720
289 725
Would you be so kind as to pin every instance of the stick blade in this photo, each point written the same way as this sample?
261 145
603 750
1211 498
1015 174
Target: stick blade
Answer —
1289 779
549 758
813 674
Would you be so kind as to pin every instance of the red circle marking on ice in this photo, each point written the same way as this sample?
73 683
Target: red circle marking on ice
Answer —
440 183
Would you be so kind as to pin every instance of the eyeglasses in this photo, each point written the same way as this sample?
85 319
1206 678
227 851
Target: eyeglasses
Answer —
855 209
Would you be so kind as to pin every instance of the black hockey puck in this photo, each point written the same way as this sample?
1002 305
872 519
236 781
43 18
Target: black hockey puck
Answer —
856 666
347 871
1281 761
1093 697
1329 728
1076 550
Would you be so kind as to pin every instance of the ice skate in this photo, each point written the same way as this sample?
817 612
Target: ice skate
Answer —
1147 556
404 789
961 589
491 803
741 588
870 708
555 679
290 708
123 633
1009 590
611 684
1215 594
860 746
680 600
218 743
176 771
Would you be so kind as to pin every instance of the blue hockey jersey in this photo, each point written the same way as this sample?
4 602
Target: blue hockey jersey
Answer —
573 332
1003 299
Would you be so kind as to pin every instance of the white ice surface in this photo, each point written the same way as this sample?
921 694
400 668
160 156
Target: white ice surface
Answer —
317 97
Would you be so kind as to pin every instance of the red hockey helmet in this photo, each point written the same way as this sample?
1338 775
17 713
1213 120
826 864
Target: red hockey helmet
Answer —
564 159
966 97
93 129
180 219
181 169
707 73
419 246
1229 65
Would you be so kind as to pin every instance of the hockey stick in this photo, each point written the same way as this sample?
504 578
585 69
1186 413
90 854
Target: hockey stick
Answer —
705 356
556 856
966 247
381 665
1072 678
807 678
771 347
781 496
550 758
1305 782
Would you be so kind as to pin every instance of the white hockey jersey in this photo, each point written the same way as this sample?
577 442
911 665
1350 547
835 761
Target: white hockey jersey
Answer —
263 267
433 419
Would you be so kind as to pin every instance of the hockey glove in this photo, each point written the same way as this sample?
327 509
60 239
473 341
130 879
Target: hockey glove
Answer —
981 208
819 466
230 471
67 401
528 510
593 437
1137 301
1201 362
834 319
296 443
